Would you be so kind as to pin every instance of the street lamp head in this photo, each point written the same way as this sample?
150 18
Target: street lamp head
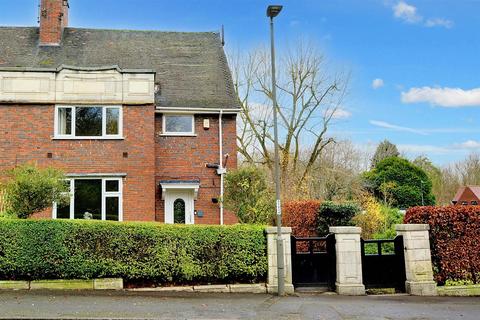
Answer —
273 10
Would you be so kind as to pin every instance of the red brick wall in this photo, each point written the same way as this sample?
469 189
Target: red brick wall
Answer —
53 18
185 158
26 135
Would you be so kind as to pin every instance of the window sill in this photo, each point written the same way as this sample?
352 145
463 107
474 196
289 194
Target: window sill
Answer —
178 134
88 138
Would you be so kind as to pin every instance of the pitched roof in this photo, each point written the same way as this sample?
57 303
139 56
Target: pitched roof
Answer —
191 67
475 190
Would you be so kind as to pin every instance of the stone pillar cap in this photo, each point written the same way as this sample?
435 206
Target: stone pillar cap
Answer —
285 230
345 230
412 227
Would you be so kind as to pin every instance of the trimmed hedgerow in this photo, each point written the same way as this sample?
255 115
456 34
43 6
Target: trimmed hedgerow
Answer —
62 249
454 240
335 214
301 215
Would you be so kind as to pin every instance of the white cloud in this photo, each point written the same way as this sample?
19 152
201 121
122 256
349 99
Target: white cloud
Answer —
406 12
386 125
469 144
439 22
341 114
461 148
444 97
377 83
409 14
424 149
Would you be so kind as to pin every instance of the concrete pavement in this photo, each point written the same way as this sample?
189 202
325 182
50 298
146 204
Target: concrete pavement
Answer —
160 305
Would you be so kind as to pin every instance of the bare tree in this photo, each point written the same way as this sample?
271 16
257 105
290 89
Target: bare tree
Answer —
384 150
309 98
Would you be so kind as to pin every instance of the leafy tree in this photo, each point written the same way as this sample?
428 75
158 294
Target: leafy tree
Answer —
29 189
371 219
335 214
407 183
384 150
434 173
249 196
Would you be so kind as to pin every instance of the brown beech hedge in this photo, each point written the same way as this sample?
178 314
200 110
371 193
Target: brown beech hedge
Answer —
454 240
301 215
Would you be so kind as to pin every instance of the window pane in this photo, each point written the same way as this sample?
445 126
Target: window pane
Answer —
113 119
88 121
178 124
112 206
179 211
111 185
63 212
88 199
64 121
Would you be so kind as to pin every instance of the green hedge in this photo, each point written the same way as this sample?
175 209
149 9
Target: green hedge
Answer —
62 249
335 214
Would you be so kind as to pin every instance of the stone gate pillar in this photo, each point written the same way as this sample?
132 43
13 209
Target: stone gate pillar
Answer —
272 283
418 259
349 260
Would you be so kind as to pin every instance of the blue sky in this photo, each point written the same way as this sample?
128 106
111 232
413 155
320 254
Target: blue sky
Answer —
424 55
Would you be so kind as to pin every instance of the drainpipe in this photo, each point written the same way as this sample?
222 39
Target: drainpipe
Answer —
221 171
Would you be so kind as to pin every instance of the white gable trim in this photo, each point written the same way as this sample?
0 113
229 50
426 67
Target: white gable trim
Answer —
70 85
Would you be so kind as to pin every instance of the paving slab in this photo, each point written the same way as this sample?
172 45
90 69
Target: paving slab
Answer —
90 304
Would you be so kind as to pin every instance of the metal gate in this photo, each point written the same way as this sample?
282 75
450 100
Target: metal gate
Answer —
313 261
383 264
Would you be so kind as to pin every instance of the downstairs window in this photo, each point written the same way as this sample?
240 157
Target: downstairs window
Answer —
92 198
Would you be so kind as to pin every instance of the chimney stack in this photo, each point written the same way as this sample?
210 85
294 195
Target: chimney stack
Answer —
53 18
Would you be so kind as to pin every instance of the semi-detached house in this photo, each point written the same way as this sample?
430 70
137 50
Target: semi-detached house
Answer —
142 122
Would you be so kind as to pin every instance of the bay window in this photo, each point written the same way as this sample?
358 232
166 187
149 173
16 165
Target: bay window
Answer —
88 122
92 198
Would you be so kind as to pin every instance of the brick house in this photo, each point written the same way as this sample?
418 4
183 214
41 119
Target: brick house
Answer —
467 195
142 122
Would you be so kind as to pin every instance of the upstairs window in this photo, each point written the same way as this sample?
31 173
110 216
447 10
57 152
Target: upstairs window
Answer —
83 122
178 124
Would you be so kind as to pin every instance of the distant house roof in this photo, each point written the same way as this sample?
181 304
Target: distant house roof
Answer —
474 189
191 67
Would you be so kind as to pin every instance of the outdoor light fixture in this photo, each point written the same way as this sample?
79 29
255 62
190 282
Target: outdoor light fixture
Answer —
273 10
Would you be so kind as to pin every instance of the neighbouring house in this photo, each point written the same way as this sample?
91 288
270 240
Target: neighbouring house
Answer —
142 122
467 195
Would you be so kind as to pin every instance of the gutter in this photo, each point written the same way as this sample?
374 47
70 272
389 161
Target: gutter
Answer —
197 110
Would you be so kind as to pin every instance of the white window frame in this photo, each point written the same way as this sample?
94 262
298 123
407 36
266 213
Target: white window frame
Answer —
110 194
169 133
104 135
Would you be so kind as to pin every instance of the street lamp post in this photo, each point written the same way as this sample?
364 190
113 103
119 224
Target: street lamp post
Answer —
421 189
272 12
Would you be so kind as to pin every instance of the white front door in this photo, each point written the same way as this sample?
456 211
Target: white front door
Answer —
179 206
